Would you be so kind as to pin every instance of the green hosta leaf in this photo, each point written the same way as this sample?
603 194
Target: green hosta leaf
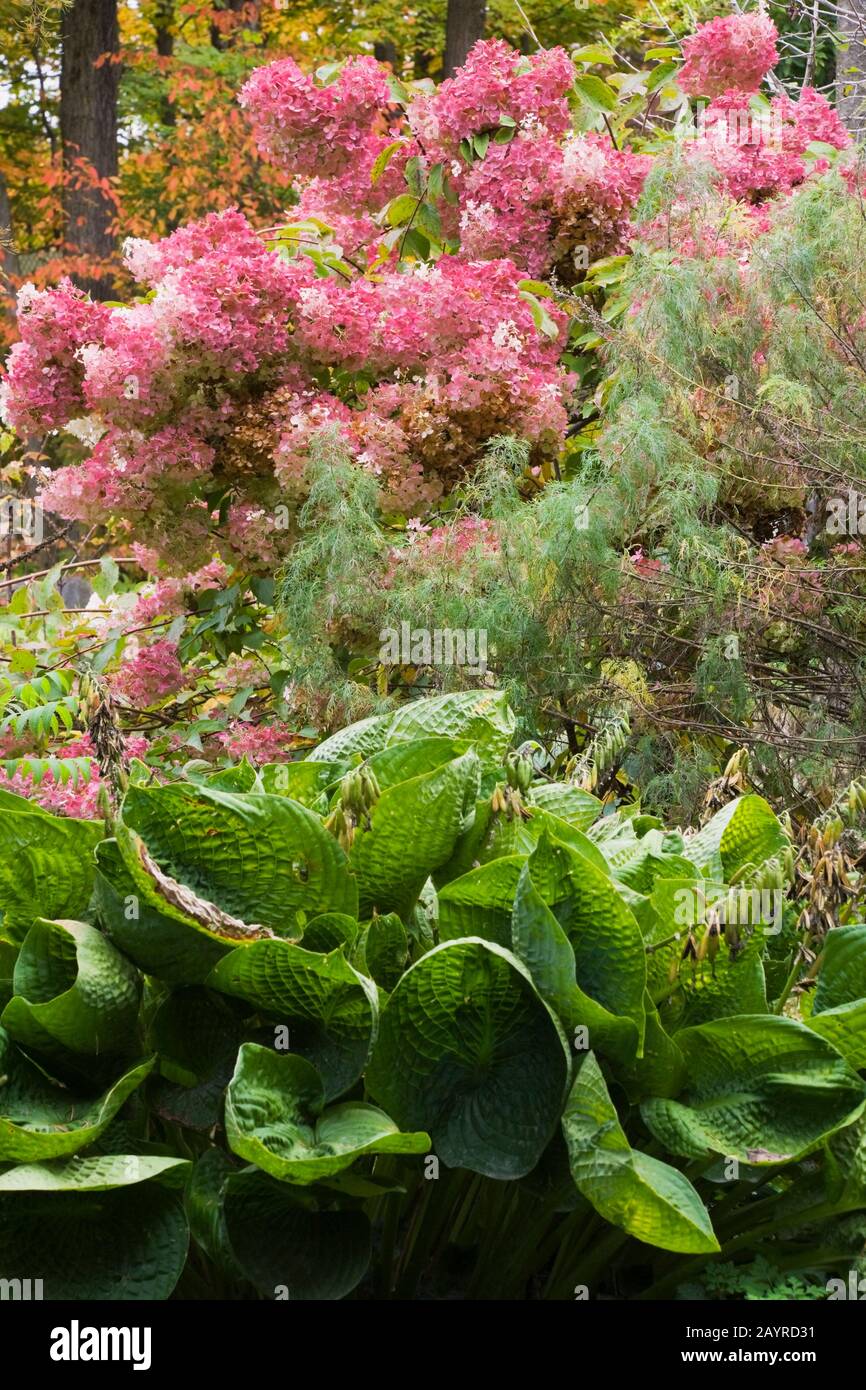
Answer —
156 934
845 1027
240 778
743 832
583 948
330 1009
46 867
477 718
287 1250
72 990
661 1071
567 802
384 950
361 739
196 1035
275 1118
412 829
842 969
469 1052
262 858
329 931
479 903
99 1174
494 835
306 782
763 1089
40 1119
401 761
128 1244
650 1200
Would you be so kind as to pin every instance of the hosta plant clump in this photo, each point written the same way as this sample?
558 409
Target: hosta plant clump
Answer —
407 1018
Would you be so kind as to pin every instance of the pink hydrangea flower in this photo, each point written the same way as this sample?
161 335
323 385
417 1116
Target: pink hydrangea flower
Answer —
736 50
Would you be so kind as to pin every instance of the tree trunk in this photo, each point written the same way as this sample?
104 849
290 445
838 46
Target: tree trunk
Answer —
10 265
851 66
163 20
463 27
88 125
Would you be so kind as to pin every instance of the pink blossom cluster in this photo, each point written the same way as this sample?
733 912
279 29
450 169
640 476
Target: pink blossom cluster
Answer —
495 81
315 130
44 371
80 799
152 674
759 152
735 51
259 743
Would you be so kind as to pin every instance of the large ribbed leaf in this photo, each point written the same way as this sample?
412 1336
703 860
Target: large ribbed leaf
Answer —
129 1243
761 1088
330 1009
98 1174
275 1118
160 937
496 835
589 967
567 802
287 1249
73 991
356 741
196 1035
39 1119
651 1200
480 902
744 832
480 719
583 947
842 969
46 867
412 829
265 859
469 1052
838 1005
305 782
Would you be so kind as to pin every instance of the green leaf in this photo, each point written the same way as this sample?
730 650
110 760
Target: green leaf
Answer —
569 803
594 92
842 969
469 1052
411 830
480 719
362 738
264 859
275 1118
196 1036
649 1199
480 902
128 1244
765 1090
383 159
386 950
154 932
583 948
330 1009
401 209
745 831
40 1119
101 1173
46 867
287 1250
72 989
305 782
